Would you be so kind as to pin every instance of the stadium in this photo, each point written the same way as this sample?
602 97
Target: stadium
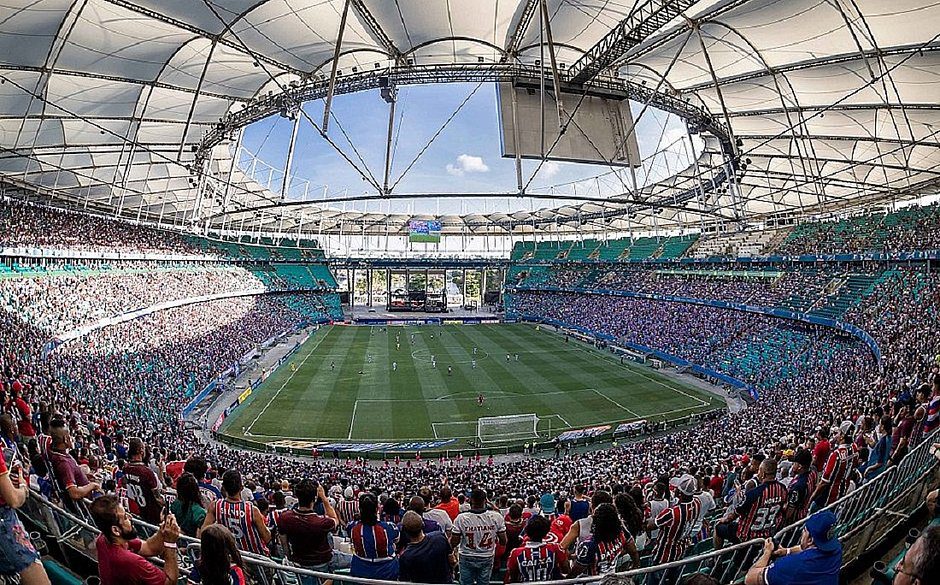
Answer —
469 291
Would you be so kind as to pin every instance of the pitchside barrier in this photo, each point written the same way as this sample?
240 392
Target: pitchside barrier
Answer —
867 516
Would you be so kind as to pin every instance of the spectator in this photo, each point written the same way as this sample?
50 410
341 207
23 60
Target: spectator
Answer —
243 519
188 506
199 468
675 527
17 555
220 562
373 543
801 488
69 476
921 564
816 560
478 532
144 495
304 534
537 560
609 542
448 503
122 557
428 558
761 513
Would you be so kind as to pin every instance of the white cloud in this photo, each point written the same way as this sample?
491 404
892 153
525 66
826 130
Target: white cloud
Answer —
467 163
549 169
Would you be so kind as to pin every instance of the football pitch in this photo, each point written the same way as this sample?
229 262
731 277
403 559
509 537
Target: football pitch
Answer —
357 383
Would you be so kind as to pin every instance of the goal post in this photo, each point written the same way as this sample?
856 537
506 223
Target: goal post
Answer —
495 429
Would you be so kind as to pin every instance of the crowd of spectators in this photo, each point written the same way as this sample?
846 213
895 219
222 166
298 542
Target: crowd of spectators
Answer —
108 406
58 303
27 226
915 228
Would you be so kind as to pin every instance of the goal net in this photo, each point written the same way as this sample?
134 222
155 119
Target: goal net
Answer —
494 429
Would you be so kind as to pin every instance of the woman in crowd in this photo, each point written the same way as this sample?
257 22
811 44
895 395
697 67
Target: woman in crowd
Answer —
188 506
219 562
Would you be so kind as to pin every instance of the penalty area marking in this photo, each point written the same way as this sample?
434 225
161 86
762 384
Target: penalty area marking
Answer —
614 402
289 378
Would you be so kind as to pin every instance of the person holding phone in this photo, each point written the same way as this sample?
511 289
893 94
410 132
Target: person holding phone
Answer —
122 556
17 554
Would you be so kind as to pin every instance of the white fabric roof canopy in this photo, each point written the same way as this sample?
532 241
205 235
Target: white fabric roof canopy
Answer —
837 103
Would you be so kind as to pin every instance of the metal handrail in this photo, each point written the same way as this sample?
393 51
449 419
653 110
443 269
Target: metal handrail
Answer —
856 510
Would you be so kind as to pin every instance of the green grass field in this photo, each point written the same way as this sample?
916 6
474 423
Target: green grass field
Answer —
569 385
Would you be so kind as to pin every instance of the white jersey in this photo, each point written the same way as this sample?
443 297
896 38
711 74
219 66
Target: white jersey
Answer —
441 517
478 532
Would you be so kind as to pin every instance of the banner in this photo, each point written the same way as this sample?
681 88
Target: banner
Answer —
583 433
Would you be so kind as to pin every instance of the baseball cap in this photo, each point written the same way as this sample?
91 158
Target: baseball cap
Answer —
819 526
687 484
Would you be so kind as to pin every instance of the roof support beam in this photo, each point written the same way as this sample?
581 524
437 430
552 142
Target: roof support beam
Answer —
515 39
333 68
378 33
646 19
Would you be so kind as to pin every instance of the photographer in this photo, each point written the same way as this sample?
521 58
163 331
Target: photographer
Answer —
304 534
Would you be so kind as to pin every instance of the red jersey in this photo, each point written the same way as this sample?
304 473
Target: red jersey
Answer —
561 524
140 483
836 474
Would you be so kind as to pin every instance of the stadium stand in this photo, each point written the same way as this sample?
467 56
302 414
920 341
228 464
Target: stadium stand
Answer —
806 375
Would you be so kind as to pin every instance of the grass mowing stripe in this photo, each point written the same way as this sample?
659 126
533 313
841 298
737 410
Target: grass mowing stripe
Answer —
554 379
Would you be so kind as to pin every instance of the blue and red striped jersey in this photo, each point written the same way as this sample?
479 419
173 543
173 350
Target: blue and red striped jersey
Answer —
237 517
373 542
760 514
535 561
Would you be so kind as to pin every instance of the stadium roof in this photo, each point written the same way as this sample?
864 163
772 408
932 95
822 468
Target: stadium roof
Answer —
808 105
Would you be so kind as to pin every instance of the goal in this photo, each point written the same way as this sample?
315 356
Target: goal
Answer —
495 429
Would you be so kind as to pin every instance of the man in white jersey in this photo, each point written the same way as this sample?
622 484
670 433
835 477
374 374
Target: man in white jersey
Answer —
478 532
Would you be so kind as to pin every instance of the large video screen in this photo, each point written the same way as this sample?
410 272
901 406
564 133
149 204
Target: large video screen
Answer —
427 232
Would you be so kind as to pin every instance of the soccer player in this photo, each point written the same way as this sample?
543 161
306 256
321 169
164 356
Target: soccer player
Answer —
394 366
450 371
474 351
293 367
507 358
480 400
332 366
473 364
517 357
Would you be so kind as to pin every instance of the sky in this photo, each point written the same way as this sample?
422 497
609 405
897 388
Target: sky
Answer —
465 158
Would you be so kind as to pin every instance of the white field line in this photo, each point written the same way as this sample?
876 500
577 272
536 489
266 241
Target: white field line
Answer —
289 378
660 382
467 423
352 419
614 402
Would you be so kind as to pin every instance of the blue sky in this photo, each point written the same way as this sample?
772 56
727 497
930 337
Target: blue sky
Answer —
465 158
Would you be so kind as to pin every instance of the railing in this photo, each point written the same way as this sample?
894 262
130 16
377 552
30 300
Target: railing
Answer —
866 516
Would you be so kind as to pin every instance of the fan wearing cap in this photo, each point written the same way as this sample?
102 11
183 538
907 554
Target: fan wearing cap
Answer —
675 524
801 488
815 561
835 475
